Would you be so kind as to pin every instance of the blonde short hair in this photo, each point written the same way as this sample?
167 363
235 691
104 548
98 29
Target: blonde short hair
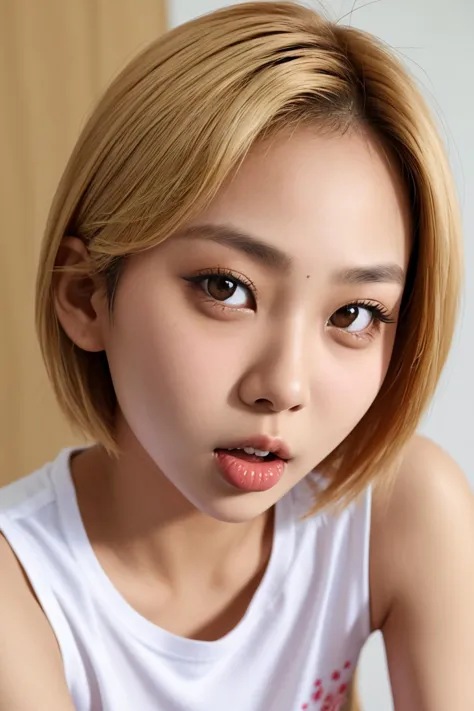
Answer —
180 118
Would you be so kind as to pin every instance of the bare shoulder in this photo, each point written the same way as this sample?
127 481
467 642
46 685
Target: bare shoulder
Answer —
31 673
428 482
426 515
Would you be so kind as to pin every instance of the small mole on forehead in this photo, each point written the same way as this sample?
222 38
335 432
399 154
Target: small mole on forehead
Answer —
307 276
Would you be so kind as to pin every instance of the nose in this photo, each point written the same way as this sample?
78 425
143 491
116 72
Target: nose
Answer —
278 377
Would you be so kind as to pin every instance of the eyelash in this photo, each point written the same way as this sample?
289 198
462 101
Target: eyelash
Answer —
239 279
380 314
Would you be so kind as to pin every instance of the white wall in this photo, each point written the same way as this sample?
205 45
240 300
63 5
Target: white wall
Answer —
436 39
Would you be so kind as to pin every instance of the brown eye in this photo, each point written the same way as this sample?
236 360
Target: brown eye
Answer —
227 289
220 288
352 318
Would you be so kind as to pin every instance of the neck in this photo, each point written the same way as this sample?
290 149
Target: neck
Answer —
130 508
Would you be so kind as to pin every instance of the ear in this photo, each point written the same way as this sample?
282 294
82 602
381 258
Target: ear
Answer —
80 301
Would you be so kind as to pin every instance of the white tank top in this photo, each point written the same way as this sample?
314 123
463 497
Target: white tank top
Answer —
295 648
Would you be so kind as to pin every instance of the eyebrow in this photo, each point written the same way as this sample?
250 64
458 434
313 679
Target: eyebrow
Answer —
275 258
236 239
388 273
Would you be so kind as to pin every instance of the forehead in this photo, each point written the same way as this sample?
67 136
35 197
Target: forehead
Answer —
321 198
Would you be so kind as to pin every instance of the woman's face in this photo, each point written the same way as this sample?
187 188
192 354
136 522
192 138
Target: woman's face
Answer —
273 315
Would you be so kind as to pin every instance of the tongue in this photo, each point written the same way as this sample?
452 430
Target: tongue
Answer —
243 455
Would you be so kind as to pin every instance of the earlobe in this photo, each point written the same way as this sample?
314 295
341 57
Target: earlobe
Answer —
77 298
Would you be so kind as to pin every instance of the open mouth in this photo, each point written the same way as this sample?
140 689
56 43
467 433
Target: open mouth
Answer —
250 469
249 454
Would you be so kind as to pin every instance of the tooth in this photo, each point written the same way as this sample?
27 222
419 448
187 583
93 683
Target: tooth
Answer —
258 452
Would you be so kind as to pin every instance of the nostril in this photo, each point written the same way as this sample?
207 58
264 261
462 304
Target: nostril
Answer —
265 405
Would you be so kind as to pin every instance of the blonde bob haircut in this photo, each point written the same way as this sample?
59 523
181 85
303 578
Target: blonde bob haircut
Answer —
183 115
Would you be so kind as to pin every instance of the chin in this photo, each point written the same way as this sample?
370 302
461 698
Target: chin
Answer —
238 508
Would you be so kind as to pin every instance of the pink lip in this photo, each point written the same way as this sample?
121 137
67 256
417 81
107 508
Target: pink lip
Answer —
249 475
266 444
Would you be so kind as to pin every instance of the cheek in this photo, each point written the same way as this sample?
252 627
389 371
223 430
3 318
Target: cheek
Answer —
168 370
352 382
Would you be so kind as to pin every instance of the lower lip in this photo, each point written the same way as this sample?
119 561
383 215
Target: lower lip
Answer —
249 475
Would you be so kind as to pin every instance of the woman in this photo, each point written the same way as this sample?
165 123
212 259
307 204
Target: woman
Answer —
246 294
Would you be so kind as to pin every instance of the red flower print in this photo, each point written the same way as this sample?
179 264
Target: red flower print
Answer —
330 692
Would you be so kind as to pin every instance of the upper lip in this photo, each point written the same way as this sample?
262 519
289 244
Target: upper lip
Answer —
265 444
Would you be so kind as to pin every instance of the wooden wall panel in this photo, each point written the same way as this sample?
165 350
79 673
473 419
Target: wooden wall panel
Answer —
55 59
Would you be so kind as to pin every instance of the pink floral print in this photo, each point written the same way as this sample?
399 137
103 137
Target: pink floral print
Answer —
329 694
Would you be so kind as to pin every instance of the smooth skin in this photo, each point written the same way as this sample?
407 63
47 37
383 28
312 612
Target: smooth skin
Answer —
196 360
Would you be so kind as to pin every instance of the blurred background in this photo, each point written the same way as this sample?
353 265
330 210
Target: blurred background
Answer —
56 58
